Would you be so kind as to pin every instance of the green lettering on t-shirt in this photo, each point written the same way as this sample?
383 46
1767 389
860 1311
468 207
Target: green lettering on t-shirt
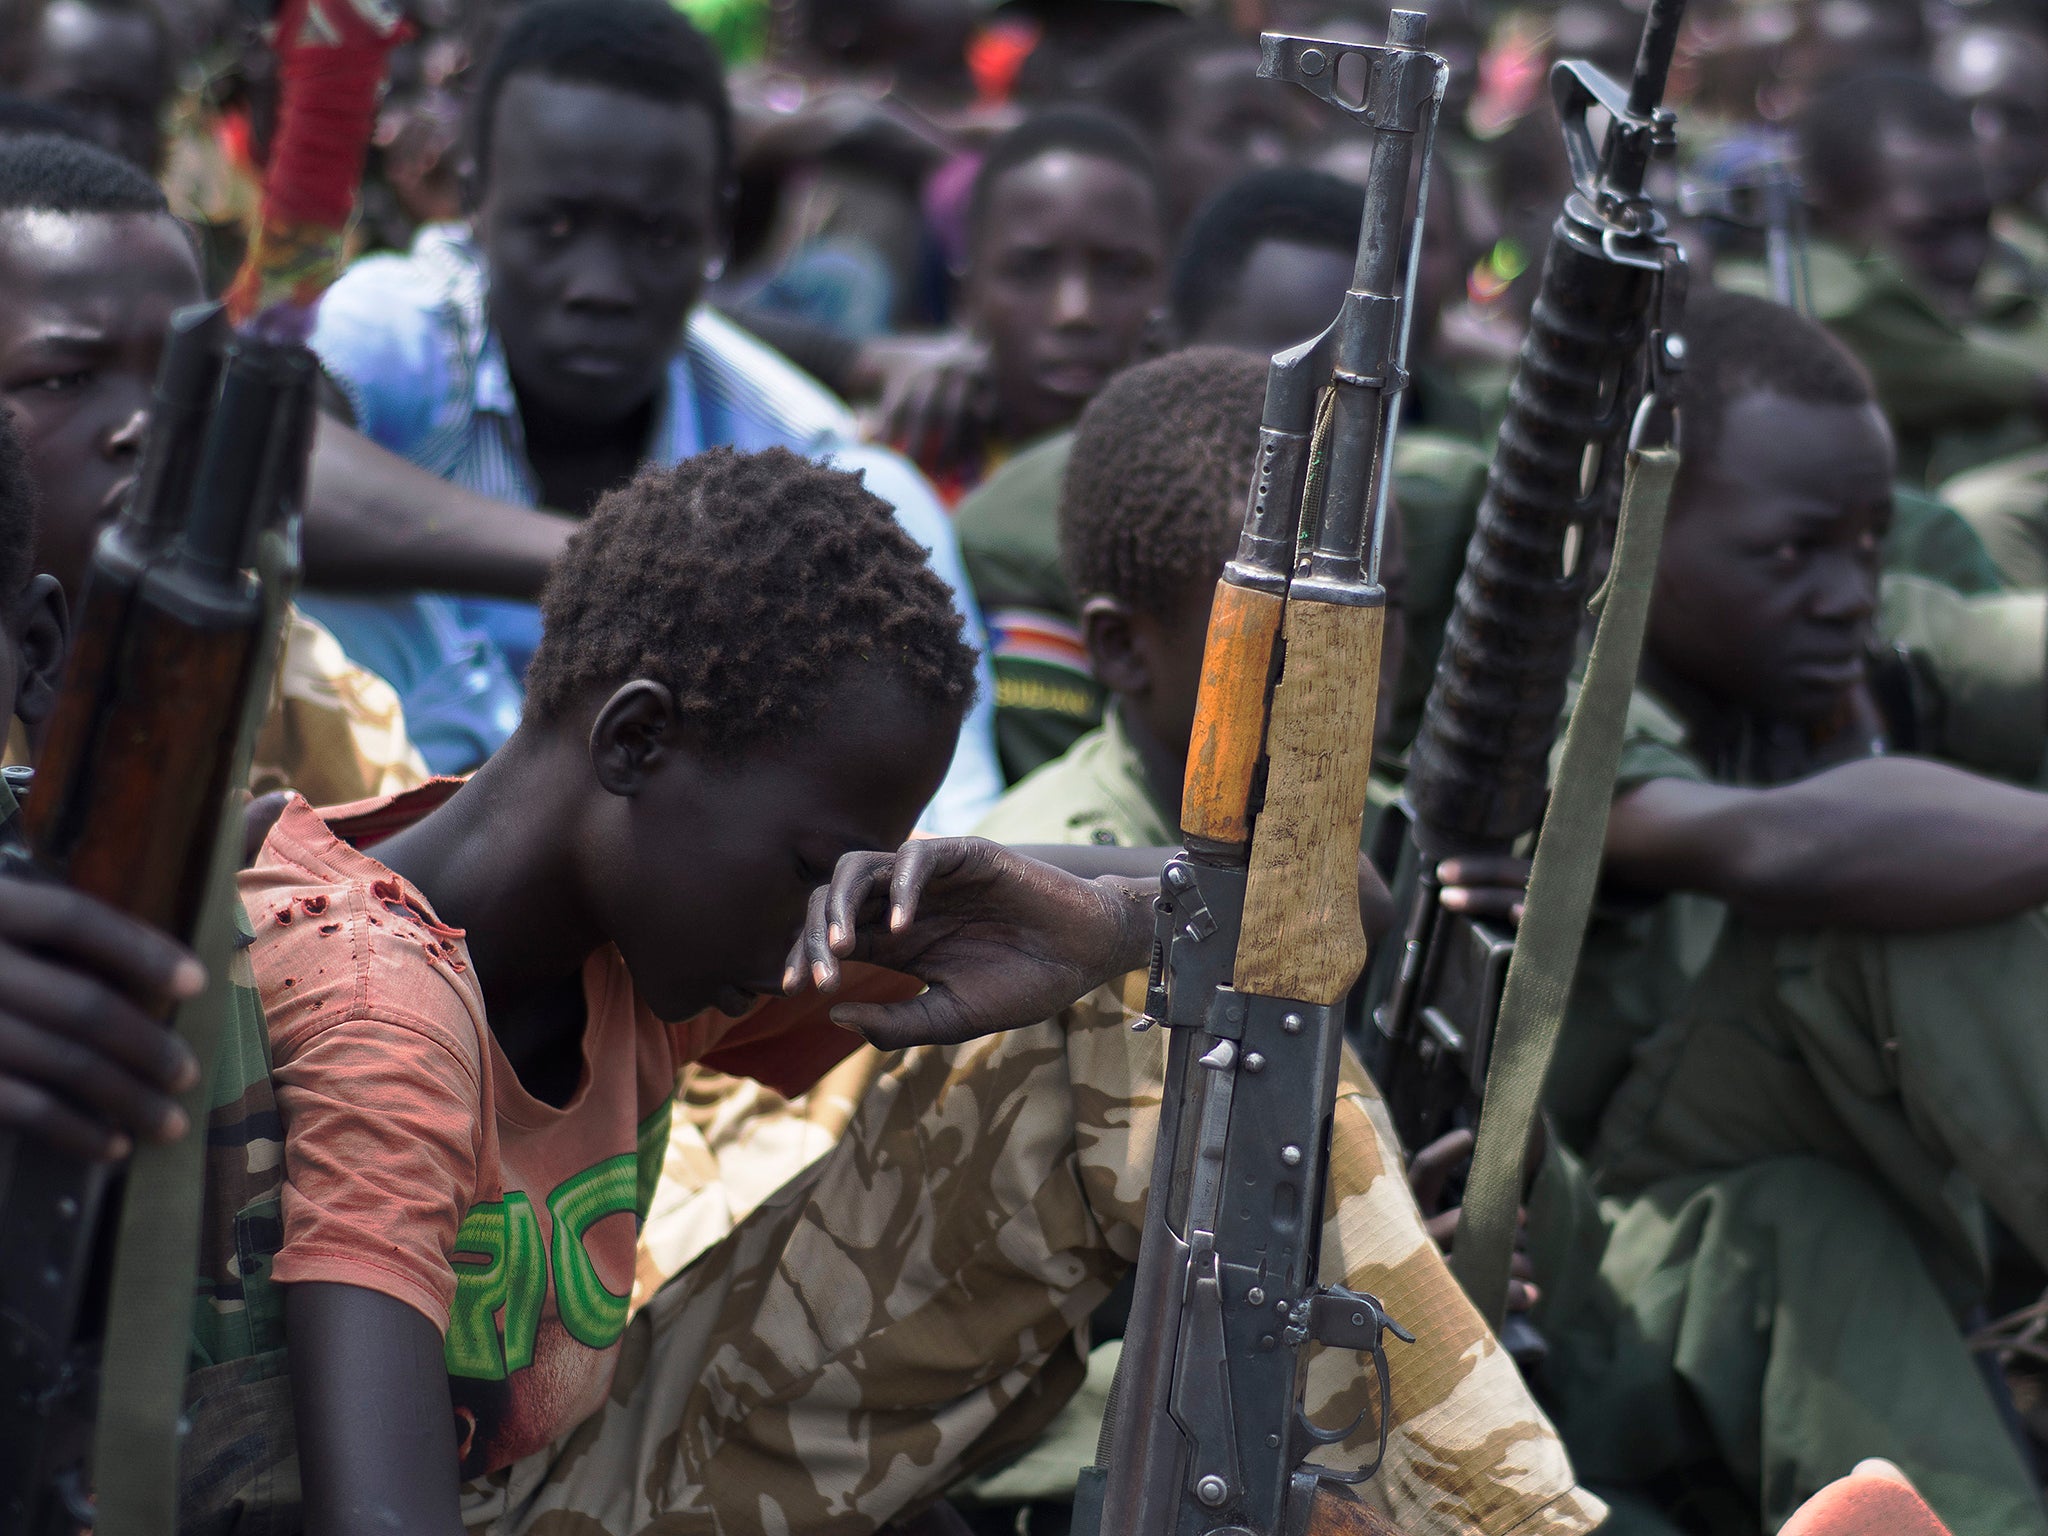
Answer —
652 1140
591 1313
507 1273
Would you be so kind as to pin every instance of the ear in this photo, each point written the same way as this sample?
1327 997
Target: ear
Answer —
42 631
633 735
1116 652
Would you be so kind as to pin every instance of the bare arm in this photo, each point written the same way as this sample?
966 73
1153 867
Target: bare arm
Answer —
376 1430
1092 860
373 521
1898 844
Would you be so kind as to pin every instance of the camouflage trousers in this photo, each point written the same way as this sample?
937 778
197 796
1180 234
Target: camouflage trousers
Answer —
912 1307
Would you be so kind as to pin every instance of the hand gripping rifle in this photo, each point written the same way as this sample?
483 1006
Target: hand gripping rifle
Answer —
1259 938
167 676
1593 383
176 640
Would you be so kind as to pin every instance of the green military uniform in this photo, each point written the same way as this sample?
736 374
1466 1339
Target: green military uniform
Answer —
1045 697
1439 480
1009 531
1783 1129
1957 395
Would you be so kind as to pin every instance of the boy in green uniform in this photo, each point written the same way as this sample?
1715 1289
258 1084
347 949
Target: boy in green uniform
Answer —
1803 1045
1899 273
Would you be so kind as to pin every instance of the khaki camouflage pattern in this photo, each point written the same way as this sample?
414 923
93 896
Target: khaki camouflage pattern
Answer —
732 1143
239 1462
335 732
909 1309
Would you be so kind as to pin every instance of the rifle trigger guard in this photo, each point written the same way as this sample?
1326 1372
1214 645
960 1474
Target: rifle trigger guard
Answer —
1347 1319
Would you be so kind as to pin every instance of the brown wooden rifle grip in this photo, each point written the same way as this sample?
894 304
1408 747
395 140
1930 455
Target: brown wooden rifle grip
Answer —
1332 1514
1230 711
1302 936
146 783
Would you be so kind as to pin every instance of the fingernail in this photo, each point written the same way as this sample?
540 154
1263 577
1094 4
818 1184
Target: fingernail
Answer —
173 1124
899 919
188 978
833 1015
790 977
835 935
819 975
119 1146
185 1075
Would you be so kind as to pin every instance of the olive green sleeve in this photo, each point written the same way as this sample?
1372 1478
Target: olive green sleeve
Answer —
1987 660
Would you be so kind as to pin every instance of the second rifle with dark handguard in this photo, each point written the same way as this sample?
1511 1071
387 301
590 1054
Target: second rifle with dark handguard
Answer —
1601 343
127 803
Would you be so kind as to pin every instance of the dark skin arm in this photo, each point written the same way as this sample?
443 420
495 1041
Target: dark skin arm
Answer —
1894 844
376 1431
1089 860
1001 941
376 522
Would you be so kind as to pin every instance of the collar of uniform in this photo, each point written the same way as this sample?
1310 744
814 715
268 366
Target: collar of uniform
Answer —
1129 791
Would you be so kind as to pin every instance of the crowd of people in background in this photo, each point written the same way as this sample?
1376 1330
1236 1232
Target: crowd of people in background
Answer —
1017 265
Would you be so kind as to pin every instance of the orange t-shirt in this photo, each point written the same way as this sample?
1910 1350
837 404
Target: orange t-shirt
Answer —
415 1163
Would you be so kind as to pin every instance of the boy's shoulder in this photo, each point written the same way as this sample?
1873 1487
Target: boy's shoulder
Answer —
1009 529
1093 793
338 938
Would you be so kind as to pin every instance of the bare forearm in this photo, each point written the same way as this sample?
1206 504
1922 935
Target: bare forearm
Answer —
376 1430
1896 844
374 521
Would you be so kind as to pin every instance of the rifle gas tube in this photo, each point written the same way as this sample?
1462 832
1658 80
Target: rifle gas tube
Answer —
1259 938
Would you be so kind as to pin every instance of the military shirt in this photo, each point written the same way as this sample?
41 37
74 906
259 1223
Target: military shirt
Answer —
1046 697
1963 679
1096 792
1957 395
1009 529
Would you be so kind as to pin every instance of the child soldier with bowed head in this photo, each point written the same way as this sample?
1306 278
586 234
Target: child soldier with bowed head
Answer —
747 674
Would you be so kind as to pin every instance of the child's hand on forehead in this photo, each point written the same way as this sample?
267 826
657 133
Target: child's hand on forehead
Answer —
1000 941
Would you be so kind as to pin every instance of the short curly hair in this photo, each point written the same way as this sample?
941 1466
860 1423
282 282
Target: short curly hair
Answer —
749 584
1156 483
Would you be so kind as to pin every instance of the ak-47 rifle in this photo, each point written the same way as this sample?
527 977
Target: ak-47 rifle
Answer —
127 803
172 654
1594 369
1259 938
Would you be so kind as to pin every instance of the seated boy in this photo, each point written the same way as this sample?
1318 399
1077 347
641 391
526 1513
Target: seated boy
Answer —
1824 955
747 671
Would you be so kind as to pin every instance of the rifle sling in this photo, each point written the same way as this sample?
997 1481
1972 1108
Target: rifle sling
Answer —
1561 886
148 1338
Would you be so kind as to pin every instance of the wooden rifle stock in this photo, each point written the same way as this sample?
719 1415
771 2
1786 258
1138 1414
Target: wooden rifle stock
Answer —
1258 938
127 806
